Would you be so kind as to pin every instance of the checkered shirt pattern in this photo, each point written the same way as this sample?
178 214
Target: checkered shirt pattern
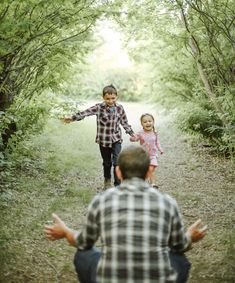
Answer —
137 225
108 123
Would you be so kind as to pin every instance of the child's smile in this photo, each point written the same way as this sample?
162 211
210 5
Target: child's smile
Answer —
147 123
110 99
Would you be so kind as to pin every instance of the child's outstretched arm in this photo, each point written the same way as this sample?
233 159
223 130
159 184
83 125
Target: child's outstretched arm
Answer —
124 122
67 120
59 230
81 115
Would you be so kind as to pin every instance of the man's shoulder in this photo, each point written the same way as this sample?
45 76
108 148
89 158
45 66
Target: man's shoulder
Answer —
106 193
101 197
169 199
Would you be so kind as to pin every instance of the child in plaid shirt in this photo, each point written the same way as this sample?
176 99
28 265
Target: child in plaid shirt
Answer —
110 115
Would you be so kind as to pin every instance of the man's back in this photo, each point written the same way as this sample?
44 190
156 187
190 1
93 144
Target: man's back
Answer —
137 225
140 229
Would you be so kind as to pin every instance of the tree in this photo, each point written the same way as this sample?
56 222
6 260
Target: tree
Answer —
38 42
216 24
189 46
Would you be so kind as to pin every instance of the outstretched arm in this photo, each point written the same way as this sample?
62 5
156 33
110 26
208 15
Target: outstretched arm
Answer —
67 120
180 240
124 122
81 115
59 230
195 233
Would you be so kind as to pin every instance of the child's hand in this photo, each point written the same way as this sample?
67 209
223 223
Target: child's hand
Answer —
67 120
134 138
161 152
196 233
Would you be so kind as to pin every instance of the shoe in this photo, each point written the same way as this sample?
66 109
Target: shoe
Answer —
107 183
155 186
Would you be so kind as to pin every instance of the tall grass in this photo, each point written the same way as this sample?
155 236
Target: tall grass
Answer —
59 172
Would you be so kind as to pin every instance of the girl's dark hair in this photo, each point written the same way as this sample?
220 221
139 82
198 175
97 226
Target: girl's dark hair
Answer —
110 89
133 161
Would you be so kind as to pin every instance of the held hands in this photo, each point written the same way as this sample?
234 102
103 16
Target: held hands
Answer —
133 137
56 231
196 233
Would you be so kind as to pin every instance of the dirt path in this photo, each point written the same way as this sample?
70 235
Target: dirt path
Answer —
202 185
204 188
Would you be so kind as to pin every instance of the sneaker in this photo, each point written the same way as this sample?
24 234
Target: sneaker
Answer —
155 186
107 183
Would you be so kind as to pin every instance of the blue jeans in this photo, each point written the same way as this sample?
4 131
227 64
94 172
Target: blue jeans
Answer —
86 263
110 156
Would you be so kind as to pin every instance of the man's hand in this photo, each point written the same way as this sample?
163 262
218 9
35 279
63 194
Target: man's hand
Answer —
57 230
196 233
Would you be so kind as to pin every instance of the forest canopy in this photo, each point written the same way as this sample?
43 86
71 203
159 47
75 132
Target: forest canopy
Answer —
181 53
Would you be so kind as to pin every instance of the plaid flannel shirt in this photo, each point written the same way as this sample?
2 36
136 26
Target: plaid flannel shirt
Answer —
108 122
137 226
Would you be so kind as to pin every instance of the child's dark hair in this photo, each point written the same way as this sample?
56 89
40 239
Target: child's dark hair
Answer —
150 115
110 89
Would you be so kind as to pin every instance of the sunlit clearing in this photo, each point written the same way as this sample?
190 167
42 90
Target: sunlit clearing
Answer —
111 53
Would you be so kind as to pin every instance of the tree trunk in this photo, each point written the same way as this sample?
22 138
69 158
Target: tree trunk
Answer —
201 70
9 129
5 101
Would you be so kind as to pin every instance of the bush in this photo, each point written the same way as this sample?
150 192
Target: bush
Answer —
205 123
194 118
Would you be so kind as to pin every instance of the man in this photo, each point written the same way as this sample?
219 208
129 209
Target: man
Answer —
140 229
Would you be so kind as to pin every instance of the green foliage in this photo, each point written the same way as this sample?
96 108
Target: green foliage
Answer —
6 176
188 47
124 80
107 64
182 51
38 42
204 121
29 120
195 118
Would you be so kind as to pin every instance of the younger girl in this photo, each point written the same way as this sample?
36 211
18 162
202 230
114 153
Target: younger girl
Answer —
148 138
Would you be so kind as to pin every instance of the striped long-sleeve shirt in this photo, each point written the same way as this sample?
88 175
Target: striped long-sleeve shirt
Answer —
108 122
137 226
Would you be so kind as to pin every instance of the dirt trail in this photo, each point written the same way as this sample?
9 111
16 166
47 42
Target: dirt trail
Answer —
202 185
